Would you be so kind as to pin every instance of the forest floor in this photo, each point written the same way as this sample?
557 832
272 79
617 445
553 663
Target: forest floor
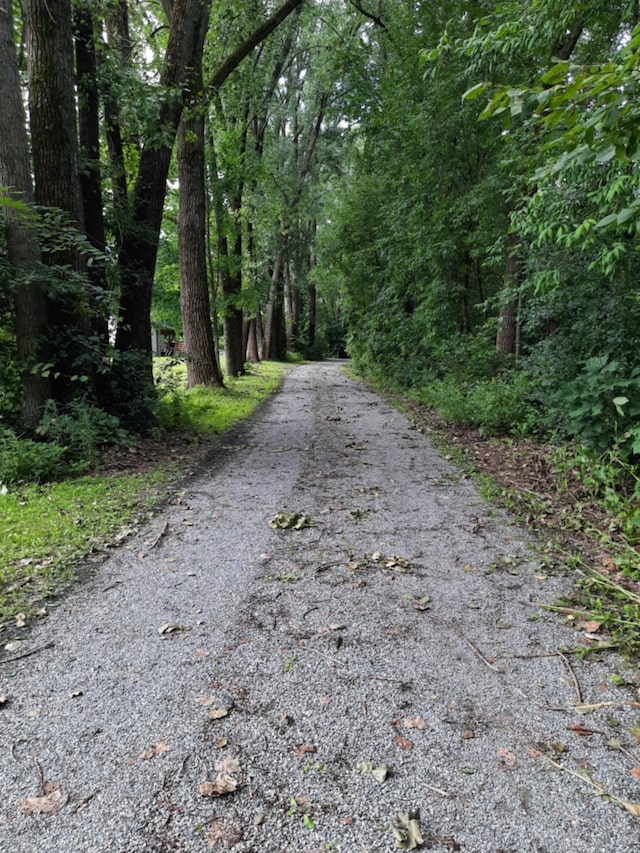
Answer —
326 640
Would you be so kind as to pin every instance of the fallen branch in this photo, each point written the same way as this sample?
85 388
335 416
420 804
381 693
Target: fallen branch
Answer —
576 683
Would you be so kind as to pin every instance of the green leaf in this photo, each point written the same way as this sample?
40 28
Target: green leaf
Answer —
475 91
555 74
604 155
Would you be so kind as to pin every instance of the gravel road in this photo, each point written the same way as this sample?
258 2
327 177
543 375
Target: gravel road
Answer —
383 675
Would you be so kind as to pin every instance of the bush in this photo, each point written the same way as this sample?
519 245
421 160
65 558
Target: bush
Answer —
83 430
494 406
23 460
601 406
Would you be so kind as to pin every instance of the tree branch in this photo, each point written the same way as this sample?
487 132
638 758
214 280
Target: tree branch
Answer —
376 20
259 35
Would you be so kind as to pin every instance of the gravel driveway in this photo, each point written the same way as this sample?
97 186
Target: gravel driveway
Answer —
382 676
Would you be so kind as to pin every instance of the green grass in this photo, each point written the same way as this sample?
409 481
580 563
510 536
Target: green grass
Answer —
206 412
46 529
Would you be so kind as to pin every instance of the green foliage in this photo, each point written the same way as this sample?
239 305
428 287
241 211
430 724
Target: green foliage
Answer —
83 429
601 406
23 460
492 406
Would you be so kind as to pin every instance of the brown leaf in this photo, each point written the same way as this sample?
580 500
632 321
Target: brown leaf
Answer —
303 749
403 742
579 729
158 748
216 832
467 734
592 627
414 723
218 713
635 771
507 759
224 782
53 799
206 701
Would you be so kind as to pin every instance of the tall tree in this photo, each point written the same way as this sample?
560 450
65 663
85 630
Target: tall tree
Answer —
139 248
20 228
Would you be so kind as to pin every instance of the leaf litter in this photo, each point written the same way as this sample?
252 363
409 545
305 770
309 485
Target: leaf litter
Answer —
225 781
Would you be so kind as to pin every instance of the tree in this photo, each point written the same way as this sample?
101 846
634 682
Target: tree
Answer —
20 228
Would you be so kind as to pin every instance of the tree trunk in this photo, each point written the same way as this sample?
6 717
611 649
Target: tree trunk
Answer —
253 353
508 324
275 341
202 361
90 172
21 236
54 145
232 316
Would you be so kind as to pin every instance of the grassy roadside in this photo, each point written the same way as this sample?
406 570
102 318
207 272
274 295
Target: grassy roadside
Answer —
47 528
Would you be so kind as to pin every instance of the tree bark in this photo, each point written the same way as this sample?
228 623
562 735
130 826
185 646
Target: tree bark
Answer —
202 360
508 322
90 171
54 146
20 231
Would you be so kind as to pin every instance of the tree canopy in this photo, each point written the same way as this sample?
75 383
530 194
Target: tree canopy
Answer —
445 191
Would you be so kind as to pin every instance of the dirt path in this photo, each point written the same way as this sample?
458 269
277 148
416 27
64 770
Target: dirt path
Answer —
400 630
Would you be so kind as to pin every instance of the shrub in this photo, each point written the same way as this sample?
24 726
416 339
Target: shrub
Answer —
23 460
83 430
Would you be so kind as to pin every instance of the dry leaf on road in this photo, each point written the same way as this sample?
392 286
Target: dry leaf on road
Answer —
224 782
52 800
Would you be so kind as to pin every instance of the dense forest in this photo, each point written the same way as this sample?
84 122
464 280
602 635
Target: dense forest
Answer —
445 191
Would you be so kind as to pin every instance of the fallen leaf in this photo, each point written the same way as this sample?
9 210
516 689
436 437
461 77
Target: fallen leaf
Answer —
202 653
507 759
406 831
52 800
218 713
290 521
414 723
467 734
379 773
635 771
224 782
21 620
303 749
158 748
592 627
403 742
580 730
216 833
206 701
170 628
